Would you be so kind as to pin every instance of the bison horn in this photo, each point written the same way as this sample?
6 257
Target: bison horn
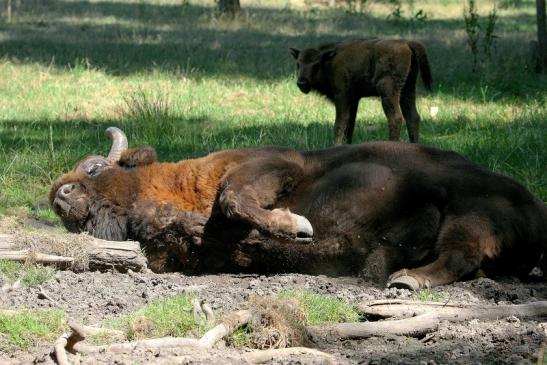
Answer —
119 143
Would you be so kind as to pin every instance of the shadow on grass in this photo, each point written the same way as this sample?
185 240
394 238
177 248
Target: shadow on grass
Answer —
517 149
136 38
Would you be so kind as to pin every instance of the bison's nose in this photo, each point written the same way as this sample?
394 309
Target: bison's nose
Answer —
302 83
65 190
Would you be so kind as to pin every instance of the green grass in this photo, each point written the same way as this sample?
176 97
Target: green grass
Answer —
174 76
30 275
429 295
321 308
21 330
171 316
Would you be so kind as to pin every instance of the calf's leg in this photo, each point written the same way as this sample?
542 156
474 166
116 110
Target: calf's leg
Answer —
408 106
462 244
346 111
248 191
390 94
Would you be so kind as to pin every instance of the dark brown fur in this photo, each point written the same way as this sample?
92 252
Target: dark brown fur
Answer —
375 208
347 71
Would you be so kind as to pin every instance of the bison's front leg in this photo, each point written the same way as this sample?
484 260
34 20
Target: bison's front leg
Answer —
167 234
248 191
346 112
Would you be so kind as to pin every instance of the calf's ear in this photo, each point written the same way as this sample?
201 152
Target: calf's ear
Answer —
327 55
294 52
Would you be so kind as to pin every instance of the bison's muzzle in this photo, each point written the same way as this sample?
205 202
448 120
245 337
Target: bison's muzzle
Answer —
304 85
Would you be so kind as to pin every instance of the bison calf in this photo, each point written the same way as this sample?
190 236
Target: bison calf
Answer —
374 209
347 71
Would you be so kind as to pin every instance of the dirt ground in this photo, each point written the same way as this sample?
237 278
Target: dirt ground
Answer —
92 297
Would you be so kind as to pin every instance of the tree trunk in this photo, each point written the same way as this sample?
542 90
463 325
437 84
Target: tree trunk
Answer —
229 7
541 62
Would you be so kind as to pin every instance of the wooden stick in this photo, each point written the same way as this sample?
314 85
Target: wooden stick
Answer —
59 349
452 312
228 325
259 357
414 327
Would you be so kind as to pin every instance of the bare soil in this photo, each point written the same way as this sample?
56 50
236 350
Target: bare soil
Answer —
93 297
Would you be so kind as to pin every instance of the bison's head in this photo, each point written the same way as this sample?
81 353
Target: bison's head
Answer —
310 67
95 196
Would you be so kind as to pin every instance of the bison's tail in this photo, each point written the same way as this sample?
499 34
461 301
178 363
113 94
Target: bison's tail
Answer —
425 69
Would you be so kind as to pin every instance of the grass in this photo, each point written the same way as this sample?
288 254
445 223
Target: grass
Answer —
170 316
429 295
321 308
30 275
173 75
21 330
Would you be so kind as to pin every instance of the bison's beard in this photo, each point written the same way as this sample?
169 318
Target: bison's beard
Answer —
106 222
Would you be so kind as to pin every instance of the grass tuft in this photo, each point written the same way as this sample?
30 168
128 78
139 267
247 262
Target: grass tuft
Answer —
21 330
321 308
170 316
30 275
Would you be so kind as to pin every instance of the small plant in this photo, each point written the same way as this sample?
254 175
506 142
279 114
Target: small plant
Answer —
356 6
474 29
428 295
489 35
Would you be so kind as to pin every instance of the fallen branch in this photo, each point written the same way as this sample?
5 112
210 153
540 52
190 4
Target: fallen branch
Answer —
99 254
227 326
452 312
413 327
59 349
262 356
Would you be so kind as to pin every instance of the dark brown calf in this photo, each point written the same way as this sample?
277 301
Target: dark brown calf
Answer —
347 71
425 216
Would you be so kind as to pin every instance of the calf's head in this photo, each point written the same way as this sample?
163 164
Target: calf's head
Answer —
310 68
95 196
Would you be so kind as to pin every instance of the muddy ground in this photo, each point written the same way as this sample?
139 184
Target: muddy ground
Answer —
93 297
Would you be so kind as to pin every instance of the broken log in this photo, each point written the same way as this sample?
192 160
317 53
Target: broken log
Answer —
412 327
262 356
451 312
94 253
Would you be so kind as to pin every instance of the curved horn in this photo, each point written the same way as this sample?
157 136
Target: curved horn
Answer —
119 143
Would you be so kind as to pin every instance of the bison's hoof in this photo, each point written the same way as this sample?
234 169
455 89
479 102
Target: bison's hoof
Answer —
304 230
404 282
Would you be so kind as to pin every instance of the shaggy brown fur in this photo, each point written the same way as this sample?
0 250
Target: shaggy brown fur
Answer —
375 208
347 71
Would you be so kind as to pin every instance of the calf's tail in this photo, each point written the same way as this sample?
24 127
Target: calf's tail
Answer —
425 69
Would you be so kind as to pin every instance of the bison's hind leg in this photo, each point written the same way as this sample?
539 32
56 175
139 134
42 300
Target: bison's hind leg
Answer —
462 244
408 105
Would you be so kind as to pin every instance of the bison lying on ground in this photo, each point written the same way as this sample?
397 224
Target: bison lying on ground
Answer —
347 71
375 208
